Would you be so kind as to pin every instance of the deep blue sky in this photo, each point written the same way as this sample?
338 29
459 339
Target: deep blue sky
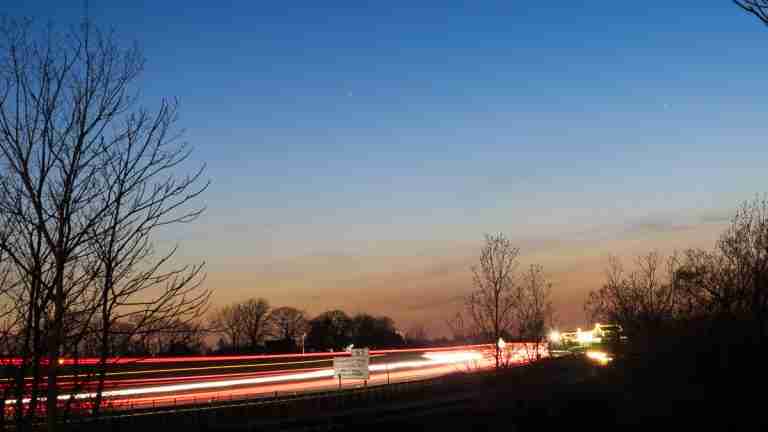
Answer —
326 127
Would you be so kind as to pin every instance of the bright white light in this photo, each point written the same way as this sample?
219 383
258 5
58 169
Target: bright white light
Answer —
584 336
501 343
454 357
554 336
599 357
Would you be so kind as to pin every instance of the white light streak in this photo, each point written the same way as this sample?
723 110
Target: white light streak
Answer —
432 359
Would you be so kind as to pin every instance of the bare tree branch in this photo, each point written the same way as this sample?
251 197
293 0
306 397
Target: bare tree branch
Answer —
758 8
87 181
491 305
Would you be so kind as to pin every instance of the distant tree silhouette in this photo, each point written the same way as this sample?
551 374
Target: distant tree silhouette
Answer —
288 325
458 328
375 332
744 247
491 306
226 321
535 314
121 342
696 321
643 301
723 292
174 337
244 325
253 315
416 335
329 330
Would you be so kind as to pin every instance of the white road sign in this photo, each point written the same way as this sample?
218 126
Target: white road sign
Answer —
351 367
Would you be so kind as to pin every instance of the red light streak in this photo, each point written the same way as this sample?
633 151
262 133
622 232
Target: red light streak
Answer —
187 388
214 358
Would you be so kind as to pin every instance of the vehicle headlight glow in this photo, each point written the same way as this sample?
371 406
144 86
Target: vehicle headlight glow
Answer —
600 357
554 336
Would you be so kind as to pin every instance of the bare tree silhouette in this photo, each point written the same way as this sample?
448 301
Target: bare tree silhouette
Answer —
244 325
758 8
88 178
535 313
287 324
491 306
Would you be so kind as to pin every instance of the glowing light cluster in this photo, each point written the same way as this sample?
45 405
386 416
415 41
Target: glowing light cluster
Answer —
554 336
501 343
600 357
586 337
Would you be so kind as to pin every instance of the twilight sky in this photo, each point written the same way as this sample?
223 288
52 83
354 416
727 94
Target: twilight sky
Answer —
359 150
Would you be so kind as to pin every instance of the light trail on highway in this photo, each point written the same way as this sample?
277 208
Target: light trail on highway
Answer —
432 364
157 383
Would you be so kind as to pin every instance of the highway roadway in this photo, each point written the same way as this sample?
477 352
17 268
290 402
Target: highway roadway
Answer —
162 382
175 381
265 376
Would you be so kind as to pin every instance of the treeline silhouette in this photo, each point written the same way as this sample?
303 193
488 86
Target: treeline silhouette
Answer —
252 326
696 321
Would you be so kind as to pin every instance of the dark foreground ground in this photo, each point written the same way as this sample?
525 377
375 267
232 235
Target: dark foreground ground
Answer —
568 393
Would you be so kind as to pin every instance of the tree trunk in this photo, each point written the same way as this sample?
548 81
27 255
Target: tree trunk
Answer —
54 348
